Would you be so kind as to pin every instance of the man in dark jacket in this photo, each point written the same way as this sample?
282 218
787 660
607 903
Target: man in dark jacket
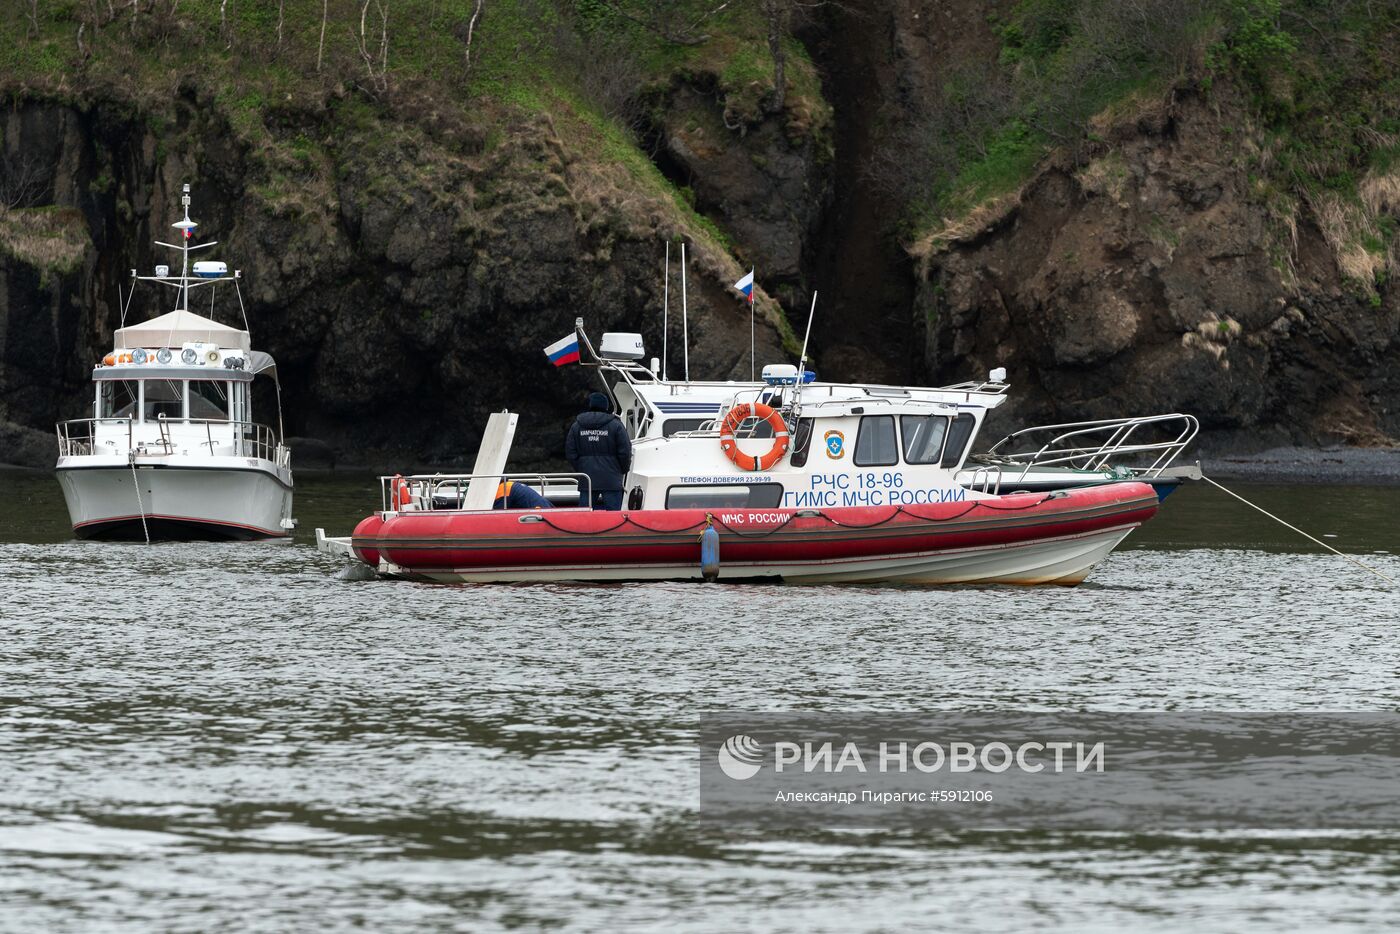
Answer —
598 445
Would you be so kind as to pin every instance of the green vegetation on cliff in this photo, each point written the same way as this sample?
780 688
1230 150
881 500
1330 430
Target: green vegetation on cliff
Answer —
448 65
308 86
52 240
1319 78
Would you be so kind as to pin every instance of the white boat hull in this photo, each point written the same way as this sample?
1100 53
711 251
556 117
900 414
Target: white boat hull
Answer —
175 498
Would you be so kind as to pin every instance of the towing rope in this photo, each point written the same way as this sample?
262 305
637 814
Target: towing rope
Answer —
139 507
1340 554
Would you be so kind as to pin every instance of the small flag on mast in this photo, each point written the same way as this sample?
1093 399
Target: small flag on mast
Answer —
563 351
745 285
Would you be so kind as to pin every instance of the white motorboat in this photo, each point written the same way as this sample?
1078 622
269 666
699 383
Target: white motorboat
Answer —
172 451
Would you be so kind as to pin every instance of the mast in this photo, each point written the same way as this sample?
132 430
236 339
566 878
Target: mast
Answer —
802 363
752 363
186 228
665 308
685 317
185 283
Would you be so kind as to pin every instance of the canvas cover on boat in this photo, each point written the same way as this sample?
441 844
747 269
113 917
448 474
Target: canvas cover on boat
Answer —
260 363
177 328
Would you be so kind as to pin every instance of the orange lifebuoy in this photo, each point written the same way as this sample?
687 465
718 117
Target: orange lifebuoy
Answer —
401 498
735 418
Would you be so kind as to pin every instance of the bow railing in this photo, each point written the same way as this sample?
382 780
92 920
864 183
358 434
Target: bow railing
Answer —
1139 447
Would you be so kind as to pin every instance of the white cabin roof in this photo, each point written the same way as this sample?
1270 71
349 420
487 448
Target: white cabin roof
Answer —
699 399
178 328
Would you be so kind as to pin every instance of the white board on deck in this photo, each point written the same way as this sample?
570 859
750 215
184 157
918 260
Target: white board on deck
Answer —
491 460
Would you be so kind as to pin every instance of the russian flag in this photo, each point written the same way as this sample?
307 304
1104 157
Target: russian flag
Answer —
563 351
745 285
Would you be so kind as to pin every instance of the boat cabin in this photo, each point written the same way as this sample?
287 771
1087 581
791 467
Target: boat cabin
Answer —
849 444
179 384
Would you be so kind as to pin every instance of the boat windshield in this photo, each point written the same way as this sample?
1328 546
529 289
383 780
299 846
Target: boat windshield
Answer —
164 398
117 398
167 399
923 437
208 399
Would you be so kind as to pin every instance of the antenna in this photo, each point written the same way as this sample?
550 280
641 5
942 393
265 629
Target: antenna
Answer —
802 364
665 307
126 305
685 317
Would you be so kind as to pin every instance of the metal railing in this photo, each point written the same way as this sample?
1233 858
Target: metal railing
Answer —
79 436
1106 444
920 406
446 492
710 429
987 479
750 427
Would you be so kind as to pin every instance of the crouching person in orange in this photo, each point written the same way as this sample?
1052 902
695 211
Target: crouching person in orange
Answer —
511 494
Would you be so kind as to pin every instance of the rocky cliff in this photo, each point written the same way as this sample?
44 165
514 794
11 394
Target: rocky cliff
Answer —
1134 208
405 258
1145 277
1212 230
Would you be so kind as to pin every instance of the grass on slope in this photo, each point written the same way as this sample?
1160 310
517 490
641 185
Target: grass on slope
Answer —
1322 76
269 65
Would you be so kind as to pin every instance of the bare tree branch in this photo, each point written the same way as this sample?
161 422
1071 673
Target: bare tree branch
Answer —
471 25
376 74
321 46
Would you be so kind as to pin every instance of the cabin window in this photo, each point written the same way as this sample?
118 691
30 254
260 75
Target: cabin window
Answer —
673 425
875 445
725 496
164 399
958 437
209 400
923 437
801 441
118 398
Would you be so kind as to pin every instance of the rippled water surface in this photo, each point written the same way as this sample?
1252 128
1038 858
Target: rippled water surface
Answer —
206 736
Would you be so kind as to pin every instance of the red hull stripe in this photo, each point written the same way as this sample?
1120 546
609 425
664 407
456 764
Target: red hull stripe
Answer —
631 553
785 533
627 526
430 541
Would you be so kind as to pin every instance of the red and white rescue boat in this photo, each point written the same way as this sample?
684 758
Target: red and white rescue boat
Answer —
786 479
1028 538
